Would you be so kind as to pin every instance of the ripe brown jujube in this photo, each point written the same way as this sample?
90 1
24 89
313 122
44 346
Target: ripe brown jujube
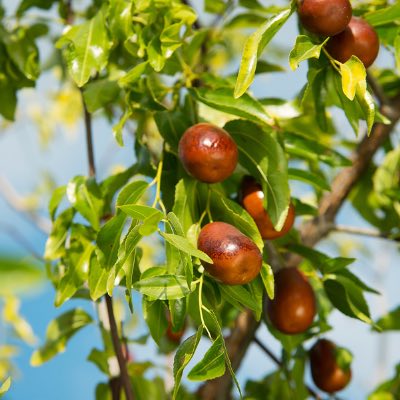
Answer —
324 17
251 197
326 373
208 153
236 258
358 39
293 308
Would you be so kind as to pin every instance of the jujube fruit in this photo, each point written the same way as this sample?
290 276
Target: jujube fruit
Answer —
326 372
208 153
325 17
236 258
251 197
293 308
174 336
358 39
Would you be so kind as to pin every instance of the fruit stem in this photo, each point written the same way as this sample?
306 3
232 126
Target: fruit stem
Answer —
202 307
335 63
157 180
208 204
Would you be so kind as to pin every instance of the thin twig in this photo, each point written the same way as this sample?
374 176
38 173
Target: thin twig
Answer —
16 202
377 90
20 239
125 380
355 230
278 362
124 376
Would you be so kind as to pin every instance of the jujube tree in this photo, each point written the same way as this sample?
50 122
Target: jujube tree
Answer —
209 186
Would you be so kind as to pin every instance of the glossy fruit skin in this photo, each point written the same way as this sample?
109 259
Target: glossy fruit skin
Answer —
208 153
326 373
252 197
324 17
293 308
237 259
358 39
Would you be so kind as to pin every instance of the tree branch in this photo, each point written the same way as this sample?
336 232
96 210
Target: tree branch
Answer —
16 235
125 380
279 363
355 230
124 376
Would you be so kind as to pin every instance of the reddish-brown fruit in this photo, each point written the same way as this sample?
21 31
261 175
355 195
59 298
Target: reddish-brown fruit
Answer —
173 336
252 198
293 308
325 17
326 373
237 259
208 153
358 39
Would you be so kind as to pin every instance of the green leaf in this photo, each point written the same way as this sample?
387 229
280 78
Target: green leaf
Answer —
183 244
367 105
383 16
261 154
267 277
347 297
154 313
99 93
212 365
86 48
253 48
140 212
98 278
164 287
304 49
8 100
119 126
120 19
354 77
390 321
55 244
59 331
23 52
18 275
134 74
85 196
55 200
336 264
27 4
76 273
227 360
183 356
108 240
178 261
343 358
131 193
100 359
239 297
302 175
5 387
222 99
185 205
